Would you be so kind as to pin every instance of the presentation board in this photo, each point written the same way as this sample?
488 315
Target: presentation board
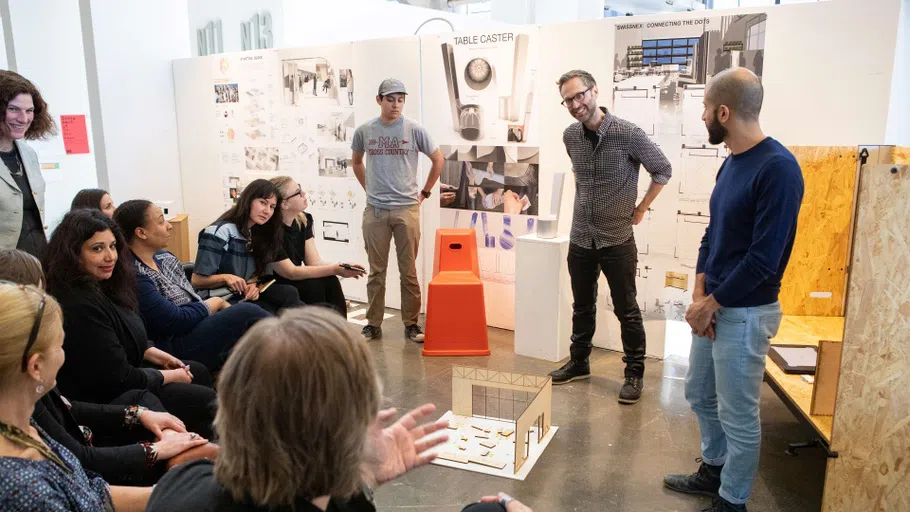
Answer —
480 106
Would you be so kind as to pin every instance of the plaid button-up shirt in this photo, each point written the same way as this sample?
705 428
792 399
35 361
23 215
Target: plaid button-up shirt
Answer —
606 179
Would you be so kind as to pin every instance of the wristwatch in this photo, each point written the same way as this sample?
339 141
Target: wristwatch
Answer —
426 194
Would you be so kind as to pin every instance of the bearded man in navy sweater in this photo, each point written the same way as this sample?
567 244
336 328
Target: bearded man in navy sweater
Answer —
735 312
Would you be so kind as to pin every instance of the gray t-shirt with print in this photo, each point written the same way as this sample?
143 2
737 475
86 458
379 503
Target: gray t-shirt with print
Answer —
391 153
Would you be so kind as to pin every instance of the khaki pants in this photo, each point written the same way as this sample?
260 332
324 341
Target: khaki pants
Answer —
379 227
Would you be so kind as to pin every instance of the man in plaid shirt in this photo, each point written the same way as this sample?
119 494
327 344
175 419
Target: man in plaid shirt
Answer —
607 153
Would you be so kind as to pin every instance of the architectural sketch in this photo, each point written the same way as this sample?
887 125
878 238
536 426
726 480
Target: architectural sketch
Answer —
308 79
500 423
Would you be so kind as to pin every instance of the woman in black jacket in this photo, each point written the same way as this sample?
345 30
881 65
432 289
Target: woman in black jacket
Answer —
100 436
89 271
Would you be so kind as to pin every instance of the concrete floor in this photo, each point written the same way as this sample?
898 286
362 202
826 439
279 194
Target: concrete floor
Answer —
605 456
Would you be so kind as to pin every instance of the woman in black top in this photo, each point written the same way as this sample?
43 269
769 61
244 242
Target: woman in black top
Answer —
100 436
108 352
23 115
316 280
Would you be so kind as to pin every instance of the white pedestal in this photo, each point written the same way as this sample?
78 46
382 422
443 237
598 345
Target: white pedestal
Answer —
543 298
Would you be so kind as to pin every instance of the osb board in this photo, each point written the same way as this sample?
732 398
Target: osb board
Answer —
818 262
827 371
872 419
804 330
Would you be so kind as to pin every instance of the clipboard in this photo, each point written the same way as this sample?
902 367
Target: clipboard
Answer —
795 359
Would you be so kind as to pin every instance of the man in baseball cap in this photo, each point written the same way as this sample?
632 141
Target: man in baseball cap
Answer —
392 144
391 86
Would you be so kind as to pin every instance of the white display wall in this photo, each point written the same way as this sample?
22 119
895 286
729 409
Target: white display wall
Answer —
495 114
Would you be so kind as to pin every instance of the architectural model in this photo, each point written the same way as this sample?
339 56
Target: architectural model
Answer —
500 423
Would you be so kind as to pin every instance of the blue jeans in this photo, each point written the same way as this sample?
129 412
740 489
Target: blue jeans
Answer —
211 341
723 387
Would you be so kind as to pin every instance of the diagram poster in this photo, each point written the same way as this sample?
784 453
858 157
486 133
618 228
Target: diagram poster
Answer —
479 87
316 125
661 70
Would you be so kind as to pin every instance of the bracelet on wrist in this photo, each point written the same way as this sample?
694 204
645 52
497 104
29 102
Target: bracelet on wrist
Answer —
133 415
151 453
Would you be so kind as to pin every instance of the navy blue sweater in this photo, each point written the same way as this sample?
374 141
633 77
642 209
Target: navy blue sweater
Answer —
754 208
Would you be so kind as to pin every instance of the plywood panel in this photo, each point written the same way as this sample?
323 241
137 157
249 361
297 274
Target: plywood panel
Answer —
824 392
819 260
804 330
872 419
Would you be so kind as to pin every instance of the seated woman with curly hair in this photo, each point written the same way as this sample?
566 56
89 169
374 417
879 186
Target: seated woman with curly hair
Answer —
116 441
109 353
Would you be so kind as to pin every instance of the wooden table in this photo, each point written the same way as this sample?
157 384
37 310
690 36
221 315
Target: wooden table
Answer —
795 392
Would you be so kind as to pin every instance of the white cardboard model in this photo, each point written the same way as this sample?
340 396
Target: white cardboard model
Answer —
488 433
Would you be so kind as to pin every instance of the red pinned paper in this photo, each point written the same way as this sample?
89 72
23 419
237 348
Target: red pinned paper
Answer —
75 135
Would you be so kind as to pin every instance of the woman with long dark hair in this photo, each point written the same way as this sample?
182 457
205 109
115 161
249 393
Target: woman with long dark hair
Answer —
96 199
90 272
235 251
175 316
112 440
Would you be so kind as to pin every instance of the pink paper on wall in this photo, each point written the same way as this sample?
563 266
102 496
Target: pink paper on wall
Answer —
75 134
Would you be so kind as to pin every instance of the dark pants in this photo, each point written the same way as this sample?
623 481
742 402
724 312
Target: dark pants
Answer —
193 403
278 297
210 342
321 291
618 264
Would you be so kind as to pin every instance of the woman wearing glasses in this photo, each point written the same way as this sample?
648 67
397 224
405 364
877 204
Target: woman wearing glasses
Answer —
112 440
108 351
316 280
236 250
37 473
175 316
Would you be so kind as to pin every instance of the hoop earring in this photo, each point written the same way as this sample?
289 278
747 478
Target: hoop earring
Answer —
39 389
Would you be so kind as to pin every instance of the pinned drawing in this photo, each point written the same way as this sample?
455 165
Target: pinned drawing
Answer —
506 418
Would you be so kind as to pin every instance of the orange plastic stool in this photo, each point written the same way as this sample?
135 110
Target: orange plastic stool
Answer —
456 250
456 314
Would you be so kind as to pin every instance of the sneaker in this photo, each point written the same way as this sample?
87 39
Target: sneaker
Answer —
414 333
573 370
371 332
705 481
721 505
631 390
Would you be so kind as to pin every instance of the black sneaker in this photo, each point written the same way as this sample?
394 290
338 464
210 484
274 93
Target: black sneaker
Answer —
706 481
631 390
721 505
573 370
371 332
414 333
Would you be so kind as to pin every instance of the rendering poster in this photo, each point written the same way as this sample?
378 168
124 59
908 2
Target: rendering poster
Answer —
482 87
490 178
661 70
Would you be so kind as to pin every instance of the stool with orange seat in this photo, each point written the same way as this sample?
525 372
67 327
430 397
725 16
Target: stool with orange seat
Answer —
456 317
